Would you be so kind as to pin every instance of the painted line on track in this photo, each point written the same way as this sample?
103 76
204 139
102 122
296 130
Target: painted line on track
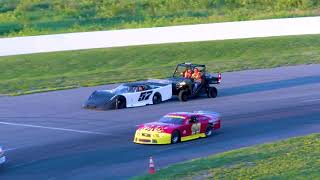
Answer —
51 128
10 149
311 100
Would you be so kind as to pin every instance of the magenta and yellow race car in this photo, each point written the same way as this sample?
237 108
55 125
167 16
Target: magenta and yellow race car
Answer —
179 126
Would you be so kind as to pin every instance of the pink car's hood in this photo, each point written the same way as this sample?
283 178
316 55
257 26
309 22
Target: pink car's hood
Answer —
158 126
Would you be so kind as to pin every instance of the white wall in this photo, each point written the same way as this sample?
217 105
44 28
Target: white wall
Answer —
187 33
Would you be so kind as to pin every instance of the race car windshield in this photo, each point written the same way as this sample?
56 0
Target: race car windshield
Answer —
180 71
122 89
171 120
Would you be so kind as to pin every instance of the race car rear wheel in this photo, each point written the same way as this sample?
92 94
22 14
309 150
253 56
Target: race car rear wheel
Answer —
156 99
175 137
183 95
212 92
209 131
120 103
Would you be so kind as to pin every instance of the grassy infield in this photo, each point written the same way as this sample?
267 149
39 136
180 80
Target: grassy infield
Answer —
296 158
59 70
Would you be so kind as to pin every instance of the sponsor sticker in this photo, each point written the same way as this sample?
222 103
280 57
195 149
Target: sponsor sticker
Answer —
155 129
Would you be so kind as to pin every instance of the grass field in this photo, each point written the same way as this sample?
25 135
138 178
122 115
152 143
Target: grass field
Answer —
59 70
296 158
32 17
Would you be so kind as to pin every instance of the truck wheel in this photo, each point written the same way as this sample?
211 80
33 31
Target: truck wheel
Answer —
156 98
183 95
212 92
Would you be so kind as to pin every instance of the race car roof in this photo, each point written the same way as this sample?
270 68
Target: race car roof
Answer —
184 114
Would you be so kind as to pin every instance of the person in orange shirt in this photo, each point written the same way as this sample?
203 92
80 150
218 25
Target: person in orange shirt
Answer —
188 74
197 77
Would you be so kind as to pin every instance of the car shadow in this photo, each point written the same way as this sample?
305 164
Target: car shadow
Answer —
260 87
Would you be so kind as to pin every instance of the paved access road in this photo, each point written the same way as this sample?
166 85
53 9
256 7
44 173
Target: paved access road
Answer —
49 136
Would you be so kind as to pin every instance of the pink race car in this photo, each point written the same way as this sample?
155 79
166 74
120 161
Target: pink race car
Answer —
179 126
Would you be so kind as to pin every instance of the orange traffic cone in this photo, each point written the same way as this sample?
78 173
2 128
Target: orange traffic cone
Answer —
152 170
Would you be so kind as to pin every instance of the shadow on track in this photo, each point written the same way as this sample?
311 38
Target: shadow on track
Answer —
269 86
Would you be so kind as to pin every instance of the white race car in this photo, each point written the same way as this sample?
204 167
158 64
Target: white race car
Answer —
130 95
2 157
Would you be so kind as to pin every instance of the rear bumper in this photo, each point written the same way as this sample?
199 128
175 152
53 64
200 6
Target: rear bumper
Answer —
217 125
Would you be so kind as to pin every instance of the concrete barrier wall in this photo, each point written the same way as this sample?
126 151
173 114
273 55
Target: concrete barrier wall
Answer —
159 35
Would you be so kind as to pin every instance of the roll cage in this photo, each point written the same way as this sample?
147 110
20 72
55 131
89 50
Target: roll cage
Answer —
182 67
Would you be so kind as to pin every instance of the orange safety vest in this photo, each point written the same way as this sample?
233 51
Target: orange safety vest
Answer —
197 76
187 75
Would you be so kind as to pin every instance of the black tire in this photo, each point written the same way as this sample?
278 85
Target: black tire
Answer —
120 103
183 95
209 131
175 137
212 92
156 99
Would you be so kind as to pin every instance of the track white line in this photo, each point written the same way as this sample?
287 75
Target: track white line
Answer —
51 128
311 100
10 149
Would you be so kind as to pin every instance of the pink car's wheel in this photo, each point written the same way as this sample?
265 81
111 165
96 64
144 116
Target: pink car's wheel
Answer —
175 137
209 131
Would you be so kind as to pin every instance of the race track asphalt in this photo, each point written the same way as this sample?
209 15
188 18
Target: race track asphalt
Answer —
49 135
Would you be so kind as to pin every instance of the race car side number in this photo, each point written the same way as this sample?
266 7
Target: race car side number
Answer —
145 96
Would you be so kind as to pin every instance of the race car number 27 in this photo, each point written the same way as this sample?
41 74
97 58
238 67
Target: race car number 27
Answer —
145 96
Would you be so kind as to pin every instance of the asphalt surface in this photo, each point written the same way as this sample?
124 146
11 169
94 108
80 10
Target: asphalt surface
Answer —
49 135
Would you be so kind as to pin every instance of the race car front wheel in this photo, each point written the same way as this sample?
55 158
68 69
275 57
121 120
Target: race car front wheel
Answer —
120 103
175 137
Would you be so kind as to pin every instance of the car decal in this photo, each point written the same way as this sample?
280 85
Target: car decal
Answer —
156 129
173 116
195 128
145 95
195 136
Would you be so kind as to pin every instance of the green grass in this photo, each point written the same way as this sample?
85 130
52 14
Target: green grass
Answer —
58 70
32 17
296 158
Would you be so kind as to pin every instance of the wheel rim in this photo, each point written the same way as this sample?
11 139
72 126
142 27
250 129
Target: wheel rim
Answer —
155 99
119 104
209 131
175 138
